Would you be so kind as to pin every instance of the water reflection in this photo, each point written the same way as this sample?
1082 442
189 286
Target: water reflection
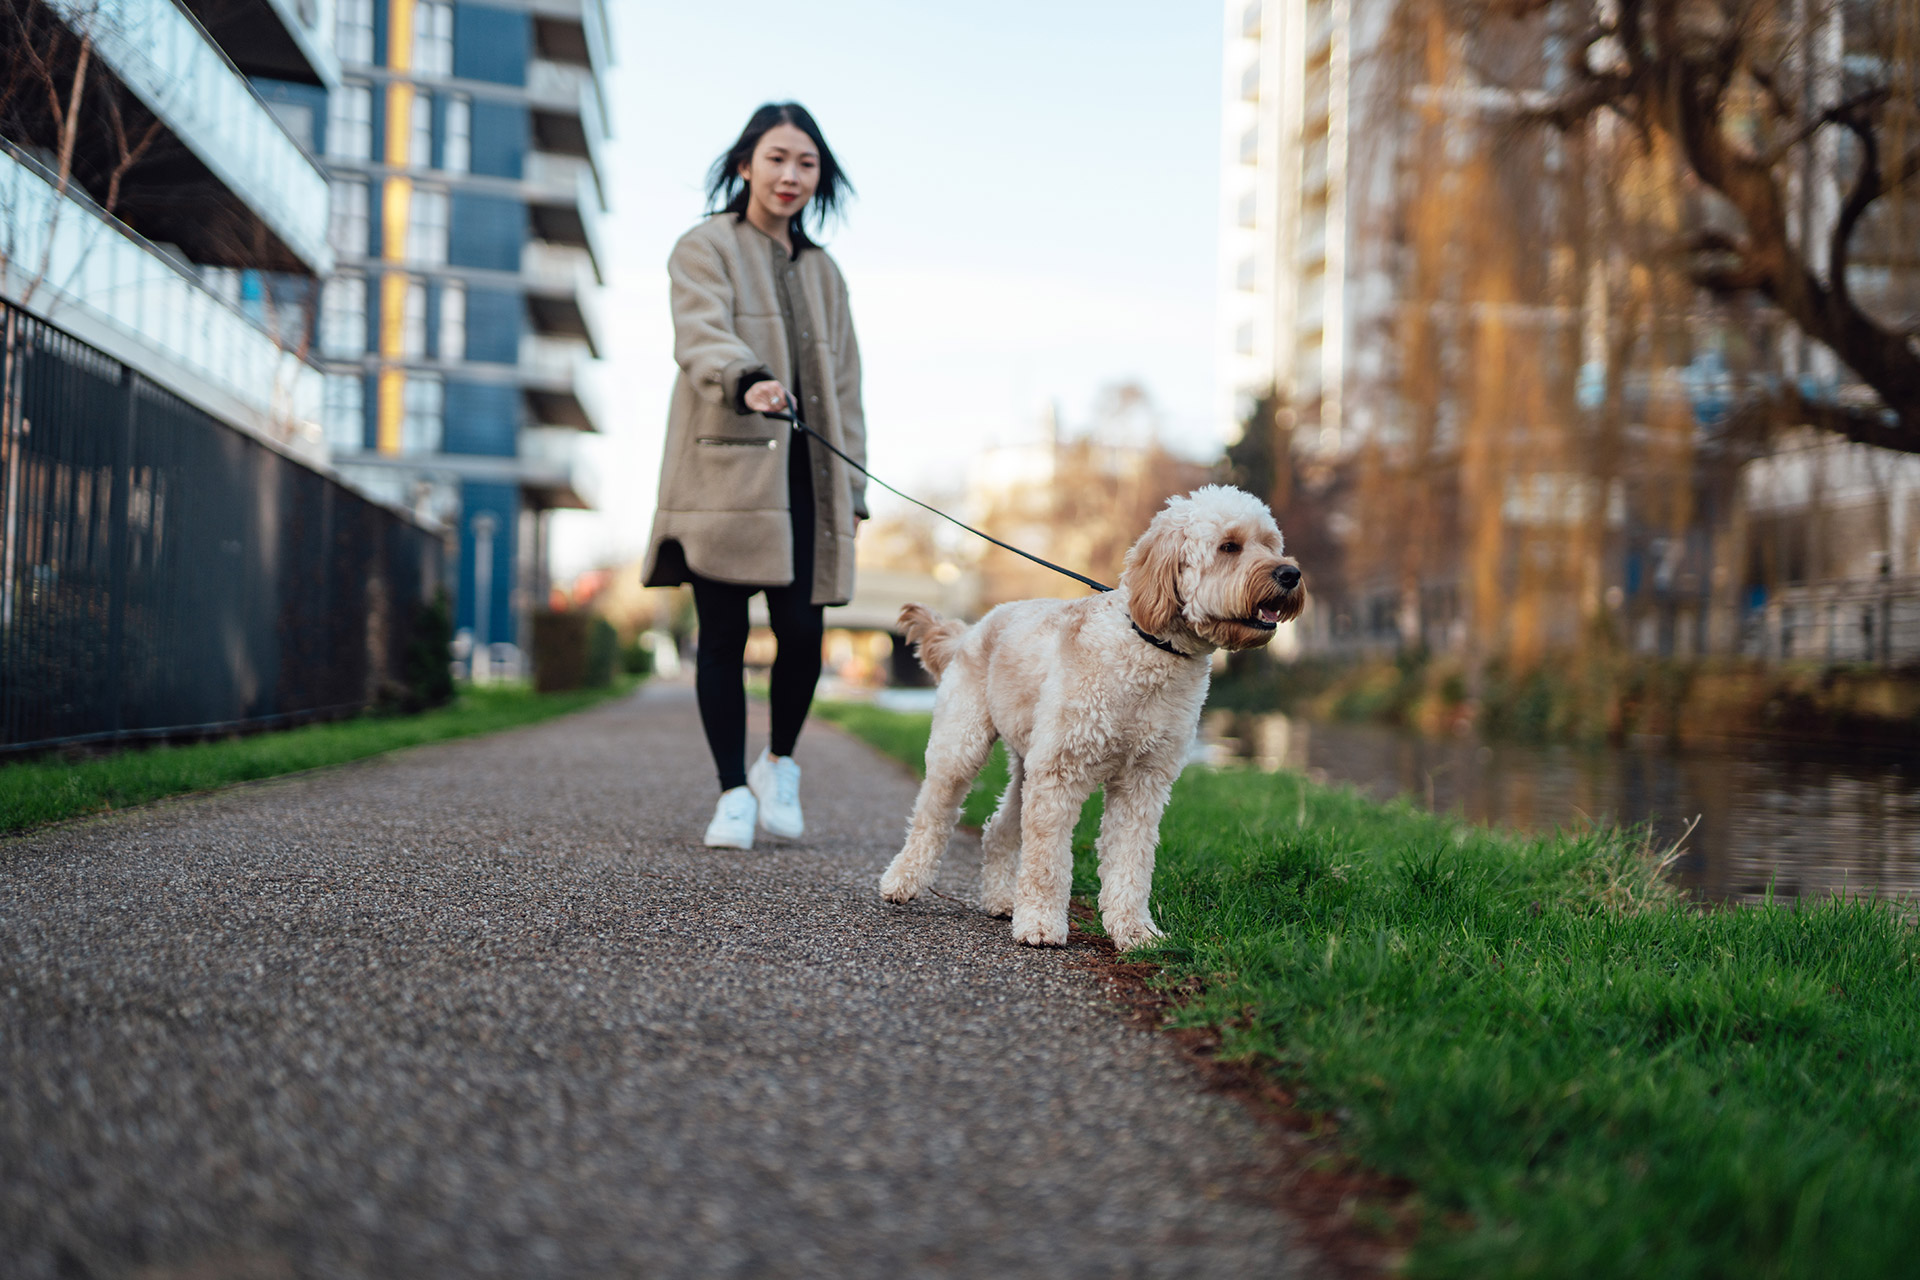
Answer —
1812 824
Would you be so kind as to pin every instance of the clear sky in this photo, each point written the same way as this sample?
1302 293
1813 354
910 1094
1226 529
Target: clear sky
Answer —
1036 216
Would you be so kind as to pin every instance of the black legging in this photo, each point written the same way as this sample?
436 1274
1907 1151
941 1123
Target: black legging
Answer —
797 628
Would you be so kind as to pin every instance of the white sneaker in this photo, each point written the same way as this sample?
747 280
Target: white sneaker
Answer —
732 825
775 781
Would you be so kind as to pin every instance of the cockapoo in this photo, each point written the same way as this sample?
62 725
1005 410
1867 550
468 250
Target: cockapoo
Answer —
1103 691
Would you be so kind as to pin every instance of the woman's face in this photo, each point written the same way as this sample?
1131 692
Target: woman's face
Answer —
784 171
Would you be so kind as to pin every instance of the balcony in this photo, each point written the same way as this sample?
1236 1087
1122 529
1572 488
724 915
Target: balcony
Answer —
552 472
167 62
572 31
550 380
564 201
273 39
561 295
115 290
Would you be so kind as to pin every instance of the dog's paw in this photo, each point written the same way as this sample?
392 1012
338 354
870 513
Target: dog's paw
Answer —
1034 931
1128 934
998 905
897 886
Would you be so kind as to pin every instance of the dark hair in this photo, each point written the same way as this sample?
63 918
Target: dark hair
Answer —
727 190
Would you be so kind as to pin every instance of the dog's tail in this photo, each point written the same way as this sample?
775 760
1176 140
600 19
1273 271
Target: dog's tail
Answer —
934 639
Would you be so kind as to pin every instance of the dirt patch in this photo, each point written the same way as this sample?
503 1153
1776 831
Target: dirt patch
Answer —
1362 1222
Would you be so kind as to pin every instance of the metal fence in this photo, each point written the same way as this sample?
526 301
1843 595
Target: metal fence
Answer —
162 573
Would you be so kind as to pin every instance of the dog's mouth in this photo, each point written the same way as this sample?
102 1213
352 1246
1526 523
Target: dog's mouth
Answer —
1265 616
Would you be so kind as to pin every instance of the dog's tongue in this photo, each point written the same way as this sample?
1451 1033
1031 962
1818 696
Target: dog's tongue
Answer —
1269 615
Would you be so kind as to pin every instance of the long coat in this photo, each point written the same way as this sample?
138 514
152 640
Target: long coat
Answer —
723 511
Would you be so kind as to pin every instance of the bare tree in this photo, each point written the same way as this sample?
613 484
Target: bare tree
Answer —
1810 155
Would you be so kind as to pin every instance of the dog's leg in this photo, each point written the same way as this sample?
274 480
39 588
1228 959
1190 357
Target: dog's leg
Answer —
1000 846
1049 808
1129 831
962 736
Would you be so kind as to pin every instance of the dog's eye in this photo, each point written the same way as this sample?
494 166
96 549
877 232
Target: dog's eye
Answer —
1230 548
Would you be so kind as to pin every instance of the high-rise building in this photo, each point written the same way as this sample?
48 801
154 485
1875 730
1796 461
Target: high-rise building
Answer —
462 147
1293 188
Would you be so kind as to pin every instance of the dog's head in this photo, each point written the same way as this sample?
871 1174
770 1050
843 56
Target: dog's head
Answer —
1213 563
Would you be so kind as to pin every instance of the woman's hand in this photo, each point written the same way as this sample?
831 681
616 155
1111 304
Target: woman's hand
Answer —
765 397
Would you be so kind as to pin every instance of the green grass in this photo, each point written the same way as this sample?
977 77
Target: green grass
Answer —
1583 1074
33 792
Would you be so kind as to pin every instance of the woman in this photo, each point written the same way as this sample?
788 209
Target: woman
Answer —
760 323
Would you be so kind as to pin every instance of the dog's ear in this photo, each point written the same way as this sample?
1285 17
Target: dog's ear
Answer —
1152 577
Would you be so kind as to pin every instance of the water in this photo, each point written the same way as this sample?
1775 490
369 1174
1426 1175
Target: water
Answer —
1811 822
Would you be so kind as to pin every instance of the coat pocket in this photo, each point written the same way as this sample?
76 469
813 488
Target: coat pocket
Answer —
737 442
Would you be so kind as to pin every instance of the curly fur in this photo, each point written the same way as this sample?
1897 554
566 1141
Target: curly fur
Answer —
1082 702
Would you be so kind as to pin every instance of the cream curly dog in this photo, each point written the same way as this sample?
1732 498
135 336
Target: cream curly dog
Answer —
1103 691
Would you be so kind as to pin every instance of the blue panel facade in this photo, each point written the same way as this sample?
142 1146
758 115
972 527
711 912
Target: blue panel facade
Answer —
486 231
373 309
500 502
482 418
370 412
491 44
494 321
502 134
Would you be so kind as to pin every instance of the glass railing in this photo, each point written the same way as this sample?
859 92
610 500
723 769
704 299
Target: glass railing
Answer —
183 78
63 256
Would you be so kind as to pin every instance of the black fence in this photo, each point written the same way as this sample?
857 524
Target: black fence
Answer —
164 574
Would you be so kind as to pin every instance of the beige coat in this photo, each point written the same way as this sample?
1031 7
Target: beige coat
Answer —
723 482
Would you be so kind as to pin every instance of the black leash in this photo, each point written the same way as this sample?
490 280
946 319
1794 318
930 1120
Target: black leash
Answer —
804 429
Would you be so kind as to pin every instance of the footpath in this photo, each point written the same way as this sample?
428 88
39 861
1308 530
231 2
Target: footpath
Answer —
487 1008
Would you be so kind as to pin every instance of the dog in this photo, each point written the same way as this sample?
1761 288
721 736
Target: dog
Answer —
1103 691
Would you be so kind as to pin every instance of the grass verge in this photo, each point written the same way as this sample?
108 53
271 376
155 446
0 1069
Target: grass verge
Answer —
1583 1074
34 792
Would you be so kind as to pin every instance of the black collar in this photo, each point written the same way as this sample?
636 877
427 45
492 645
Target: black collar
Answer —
1157 642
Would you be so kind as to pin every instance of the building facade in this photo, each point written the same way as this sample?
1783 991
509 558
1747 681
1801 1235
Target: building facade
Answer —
188 242
462 147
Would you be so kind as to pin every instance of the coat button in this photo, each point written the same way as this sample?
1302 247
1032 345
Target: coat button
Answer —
813 399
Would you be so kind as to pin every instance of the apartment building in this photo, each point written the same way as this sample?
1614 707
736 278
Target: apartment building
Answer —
462 147
1296 286
188 243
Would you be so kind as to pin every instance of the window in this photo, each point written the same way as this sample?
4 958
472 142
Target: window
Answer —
1243 340
1249 208
456 149
350 122
420 146
344 413
413 322
353 31
343 318
433 38
347 230
1250 146
1245 277
427 226
453 321
422 424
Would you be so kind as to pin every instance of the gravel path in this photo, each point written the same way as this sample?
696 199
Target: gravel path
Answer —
487 1008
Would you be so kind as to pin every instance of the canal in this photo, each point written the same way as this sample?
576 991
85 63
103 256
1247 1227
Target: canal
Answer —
1809 821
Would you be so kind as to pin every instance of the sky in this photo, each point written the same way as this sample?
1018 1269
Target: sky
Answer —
1036 218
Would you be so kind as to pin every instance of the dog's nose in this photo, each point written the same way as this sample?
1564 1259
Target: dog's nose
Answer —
1287 576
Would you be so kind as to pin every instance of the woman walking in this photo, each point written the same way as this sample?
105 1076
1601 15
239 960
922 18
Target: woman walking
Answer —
760 325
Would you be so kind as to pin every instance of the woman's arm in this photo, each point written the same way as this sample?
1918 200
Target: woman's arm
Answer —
846 381
704 341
